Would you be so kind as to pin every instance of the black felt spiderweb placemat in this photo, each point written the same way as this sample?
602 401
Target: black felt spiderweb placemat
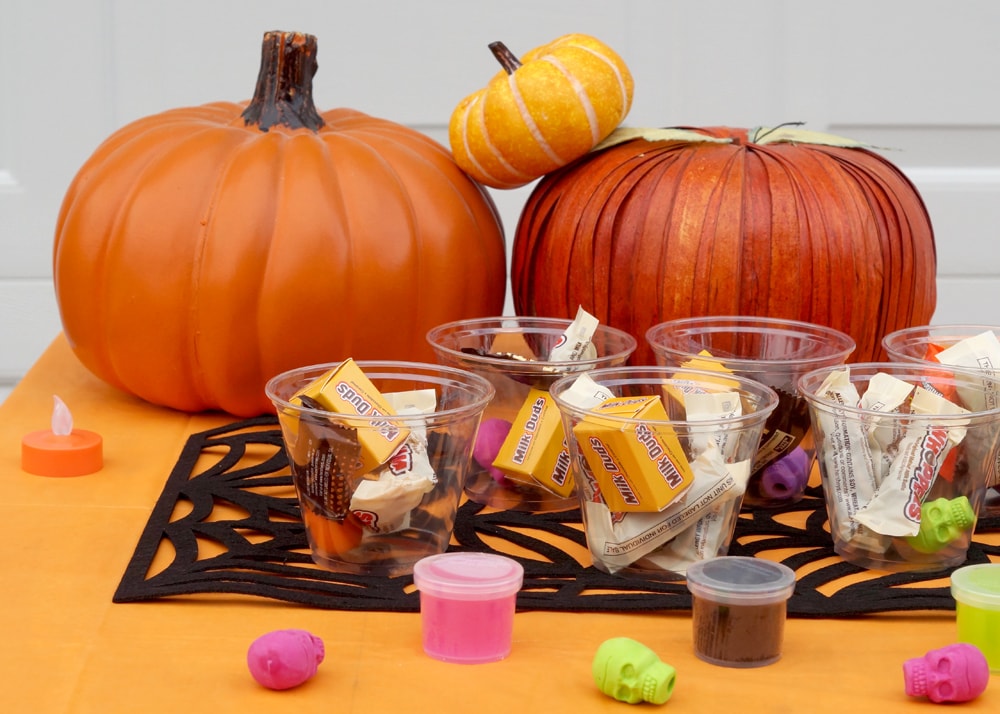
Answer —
227 522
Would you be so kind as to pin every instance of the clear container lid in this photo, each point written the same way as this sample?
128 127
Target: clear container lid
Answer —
468 576
739 580
977 585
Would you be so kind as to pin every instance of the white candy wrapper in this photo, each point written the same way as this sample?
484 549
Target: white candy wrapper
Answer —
417 401
709 406
981 353
619 539
847 457
894 510
887 394
383 503
585 393
927 402
704 538
575 344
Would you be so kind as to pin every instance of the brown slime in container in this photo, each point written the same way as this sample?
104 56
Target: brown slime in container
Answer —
750 634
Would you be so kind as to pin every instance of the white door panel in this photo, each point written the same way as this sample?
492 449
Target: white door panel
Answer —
914 76
965 207
967 299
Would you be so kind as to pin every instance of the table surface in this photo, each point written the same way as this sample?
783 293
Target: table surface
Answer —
65 543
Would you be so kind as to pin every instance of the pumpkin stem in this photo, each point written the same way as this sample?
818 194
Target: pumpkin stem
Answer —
507 59
284 85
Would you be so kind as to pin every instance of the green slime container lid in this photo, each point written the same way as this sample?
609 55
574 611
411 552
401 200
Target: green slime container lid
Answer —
977 585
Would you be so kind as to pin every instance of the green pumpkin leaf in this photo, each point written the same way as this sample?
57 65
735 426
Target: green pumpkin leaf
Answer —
623 134
791 134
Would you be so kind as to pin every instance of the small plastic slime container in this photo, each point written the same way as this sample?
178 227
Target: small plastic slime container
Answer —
467 603
738 608
976 589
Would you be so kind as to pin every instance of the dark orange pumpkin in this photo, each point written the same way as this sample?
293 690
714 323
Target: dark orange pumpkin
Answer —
643 231
202 250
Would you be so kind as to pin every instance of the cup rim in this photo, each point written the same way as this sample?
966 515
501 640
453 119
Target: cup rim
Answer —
665 375
959 330
840 349
481 388
917 369
544 325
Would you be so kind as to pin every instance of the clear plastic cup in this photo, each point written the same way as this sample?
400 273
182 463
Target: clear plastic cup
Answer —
511 353
776 353
918 344
902 483
411 500
976 589
738 609
467 605
661 488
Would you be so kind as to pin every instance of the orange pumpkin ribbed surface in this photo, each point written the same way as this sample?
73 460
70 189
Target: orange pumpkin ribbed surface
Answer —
782 223
540 112
200 251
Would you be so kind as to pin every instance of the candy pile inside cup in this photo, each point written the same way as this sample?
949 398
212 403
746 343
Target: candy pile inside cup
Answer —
980 352
654 498
772 351
393 471
531 450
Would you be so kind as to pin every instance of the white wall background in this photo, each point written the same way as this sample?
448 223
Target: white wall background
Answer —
916 75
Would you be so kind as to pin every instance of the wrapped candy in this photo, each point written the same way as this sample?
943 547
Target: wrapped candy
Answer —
894 510
848 463
383 503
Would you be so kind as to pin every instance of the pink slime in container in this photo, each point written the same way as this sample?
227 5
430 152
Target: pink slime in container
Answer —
467 603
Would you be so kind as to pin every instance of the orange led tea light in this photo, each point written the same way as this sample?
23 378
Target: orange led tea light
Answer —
62 450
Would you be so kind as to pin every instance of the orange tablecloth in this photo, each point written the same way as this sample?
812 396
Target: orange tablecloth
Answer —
64 544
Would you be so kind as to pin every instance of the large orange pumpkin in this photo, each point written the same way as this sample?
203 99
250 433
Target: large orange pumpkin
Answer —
717 221
202 250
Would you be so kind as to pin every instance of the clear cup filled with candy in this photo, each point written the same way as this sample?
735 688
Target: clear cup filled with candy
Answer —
378 453
774 352
521 462
662 462
905 452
